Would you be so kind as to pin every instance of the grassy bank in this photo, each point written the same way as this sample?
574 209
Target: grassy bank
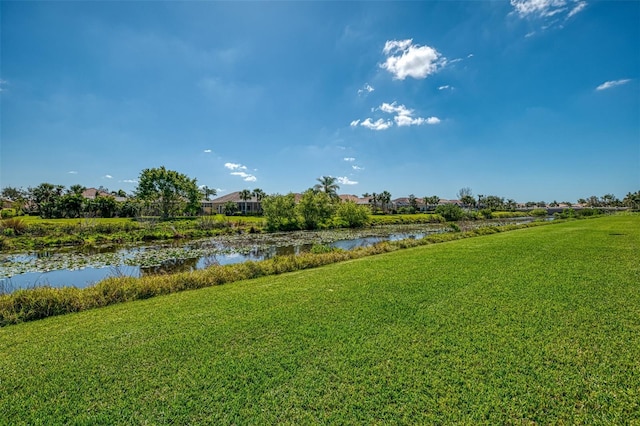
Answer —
536 326
28 233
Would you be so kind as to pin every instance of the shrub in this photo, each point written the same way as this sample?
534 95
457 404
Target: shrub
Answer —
450 212
7 213
17 225
538 212
351 215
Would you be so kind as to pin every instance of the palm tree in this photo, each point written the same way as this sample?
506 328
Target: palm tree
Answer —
328 185
245 195
373 200
208 192
259 194
385 199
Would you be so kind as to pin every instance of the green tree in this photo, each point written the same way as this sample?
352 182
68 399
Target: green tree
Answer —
207 192
351 215
280 212
328 185
245 195
259 194
385 200
230 208
45 198
632 200
413 202
315 209
450 212
431 202
171 192
17 196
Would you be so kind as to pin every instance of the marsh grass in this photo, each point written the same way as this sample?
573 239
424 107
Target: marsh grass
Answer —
537 326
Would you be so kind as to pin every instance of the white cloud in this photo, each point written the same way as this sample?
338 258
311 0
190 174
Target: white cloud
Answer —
405 59
72 172
108 177
543 9
129 181
345 181
403 116
366 89
349 159
3 83
379 124
614 83
207 151
445 87
245 176
235 166
578 8
357 168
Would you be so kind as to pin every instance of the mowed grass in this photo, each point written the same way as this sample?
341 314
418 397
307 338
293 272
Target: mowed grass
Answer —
535 326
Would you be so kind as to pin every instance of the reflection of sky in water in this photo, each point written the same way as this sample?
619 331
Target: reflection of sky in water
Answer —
87 276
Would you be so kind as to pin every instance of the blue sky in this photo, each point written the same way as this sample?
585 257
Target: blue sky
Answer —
525 99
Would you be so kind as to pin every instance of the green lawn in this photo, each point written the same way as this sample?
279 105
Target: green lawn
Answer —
535 326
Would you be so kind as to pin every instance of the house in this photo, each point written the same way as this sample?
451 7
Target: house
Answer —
248 206
92 193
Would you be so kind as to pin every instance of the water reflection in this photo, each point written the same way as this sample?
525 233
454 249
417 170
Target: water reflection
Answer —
82 268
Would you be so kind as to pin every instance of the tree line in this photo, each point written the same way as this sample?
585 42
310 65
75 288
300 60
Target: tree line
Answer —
167 193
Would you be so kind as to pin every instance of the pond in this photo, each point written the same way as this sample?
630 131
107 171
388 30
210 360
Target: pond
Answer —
85 267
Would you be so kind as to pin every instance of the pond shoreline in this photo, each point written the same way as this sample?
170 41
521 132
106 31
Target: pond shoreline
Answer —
82 268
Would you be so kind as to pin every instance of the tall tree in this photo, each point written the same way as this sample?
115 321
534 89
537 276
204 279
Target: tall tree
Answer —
44 197
280 212
245 195
17 196
172 192
328 185
385 200
315 209
207 192
413 202
259 194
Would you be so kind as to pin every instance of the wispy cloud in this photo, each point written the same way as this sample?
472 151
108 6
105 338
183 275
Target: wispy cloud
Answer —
358 168
379 124
208 151
548 9
129 181
245 176
610 84
344 180
2 84
446 87
238 170
72 172
108 177
405 59
577 8
235 166
350 159
403 117
366 89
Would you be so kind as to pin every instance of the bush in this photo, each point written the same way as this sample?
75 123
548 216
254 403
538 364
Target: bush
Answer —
451 212
17 226
351 215
538 212
7 213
